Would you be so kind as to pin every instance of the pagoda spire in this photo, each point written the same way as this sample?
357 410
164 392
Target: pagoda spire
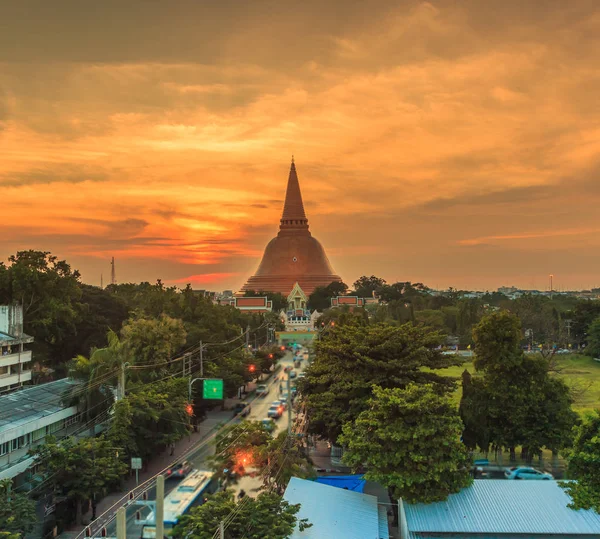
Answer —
293 209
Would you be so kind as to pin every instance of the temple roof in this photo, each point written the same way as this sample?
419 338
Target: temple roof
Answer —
293 208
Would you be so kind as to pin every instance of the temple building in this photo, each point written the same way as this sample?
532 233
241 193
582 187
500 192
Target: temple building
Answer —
294 255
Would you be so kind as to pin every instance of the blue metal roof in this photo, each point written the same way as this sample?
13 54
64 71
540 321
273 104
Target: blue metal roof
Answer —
334 512
504 507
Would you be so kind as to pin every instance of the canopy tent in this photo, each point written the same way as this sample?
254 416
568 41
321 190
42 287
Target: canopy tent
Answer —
355 483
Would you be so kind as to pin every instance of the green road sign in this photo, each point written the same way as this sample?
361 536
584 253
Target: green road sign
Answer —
212 389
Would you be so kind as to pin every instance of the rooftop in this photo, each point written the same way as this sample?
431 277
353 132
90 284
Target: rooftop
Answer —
334 512
32 403
496 506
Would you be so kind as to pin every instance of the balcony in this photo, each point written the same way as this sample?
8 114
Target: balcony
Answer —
10 379
13 359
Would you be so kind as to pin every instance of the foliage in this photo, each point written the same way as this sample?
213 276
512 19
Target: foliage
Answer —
153 342
286 459
268 516
593 339
239 446
515 402
409 441
365 286
155 414
320 299
48 289
584 464
81 470
17 511
351 359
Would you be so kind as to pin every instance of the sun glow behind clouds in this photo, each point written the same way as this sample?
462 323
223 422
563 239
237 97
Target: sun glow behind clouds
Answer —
420 129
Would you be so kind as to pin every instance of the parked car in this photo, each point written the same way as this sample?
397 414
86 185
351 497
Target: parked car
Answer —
179 471
268 424
302 375
283 403
262 390
292 374
523 472
242 408
275 411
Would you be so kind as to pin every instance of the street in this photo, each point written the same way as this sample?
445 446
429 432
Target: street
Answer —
260 407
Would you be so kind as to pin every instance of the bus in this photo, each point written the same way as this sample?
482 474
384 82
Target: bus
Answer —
190 492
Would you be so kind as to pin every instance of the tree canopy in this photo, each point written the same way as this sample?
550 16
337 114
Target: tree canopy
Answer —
350 359
17 511
409 440
584 464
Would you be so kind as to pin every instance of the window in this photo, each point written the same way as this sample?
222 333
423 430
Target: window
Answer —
38 434
4 448
26 366
71 420
55 427
3 370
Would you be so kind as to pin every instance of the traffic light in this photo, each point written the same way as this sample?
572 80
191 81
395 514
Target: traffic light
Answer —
282 348
189 410
251 368
270 356
332 324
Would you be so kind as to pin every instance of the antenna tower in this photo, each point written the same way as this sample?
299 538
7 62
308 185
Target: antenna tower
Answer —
113 276
101 282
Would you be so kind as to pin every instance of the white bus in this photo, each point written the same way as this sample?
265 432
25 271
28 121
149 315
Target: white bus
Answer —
190 492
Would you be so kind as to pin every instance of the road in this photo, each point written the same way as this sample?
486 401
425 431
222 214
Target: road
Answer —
259 410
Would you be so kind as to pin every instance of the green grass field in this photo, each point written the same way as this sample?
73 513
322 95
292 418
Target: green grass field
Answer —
581 373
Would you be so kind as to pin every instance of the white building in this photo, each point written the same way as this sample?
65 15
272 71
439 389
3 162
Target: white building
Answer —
27 417
15 361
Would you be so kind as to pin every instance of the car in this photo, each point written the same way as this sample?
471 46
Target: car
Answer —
294 391
284 396
283 403
268 424
302 375
179 471
292 374
242 409
275 412
523 472
262 390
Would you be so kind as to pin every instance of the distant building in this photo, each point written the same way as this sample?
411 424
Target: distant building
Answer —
253 304
352 301
497 508
336 513
27 417
15 360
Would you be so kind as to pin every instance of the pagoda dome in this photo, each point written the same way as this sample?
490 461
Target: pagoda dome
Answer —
294 255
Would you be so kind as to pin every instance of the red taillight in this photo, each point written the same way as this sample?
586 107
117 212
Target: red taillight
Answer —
169 472
180 472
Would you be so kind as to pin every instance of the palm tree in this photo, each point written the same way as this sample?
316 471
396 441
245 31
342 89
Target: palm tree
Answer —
98 375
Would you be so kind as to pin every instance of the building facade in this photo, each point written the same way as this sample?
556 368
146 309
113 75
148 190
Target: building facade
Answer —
15 359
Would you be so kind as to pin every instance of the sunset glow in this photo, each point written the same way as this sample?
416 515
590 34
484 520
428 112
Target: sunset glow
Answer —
450 143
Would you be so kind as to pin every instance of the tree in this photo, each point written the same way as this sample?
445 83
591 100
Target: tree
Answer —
409 441
152 342
268 516
516 401
17 511
351 359
286 460
49 291
584 464
593 339
156 415
239 446
365 286
81 470
320 299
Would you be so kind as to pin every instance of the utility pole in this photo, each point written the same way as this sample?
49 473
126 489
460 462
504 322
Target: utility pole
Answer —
121 387
101 282
121 523
222 529
160 507
247 336
113 275
289 405
201 360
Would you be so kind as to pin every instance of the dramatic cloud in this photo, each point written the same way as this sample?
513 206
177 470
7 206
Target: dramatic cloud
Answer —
453 143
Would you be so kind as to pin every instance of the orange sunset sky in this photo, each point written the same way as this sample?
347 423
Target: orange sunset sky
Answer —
455 143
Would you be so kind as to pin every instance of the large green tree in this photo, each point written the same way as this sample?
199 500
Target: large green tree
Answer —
365 286
83 470
268 516
409 440
350 359
584 464
320 298
593 339
286 459
17 511
515 401
50 293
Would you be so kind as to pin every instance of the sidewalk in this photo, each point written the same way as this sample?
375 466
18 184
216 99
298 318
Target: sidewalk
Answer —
158 463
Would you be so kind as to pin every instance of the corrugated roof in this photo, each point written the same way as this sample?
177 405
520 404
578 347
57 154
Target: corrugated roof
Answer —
333 512
32 403
503 506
